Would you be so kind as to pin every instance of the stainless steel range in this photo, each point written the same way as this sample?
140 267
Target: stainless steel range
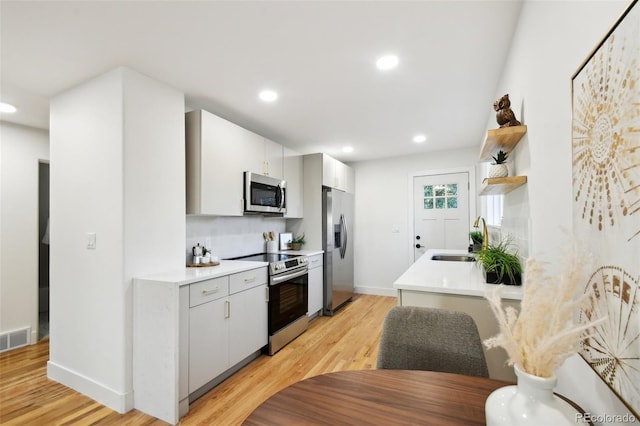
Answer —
288 297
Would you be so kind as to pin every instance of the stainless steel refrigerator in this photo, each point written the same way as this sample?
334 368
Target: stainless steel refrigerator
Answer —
337 243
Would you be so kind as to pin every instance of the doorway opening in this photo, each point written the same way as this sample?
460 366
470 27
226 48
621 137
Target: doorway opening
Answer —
43 250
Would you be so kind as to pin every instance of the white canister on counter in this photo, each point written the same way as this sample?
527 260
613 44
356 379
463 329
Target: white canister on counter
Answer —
272 246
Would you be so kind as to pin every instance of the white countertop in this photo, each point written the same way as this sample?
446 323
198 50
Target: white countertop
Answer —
226 267
439 276
190 275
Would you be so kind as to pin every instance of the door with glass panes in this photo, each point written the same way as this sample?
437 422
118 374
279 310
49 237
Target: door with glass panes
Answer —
441 212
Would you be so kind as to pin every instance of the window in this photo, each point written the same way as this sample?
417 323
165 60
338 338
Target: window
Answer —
492 205
441 196
494 209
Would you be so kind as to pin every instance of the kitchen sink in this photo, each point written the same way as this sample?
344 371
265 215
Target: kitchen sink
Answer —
453 257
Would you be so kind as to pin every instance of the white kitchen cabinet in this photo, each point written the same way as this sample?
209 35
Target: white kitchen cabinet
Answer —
228 327
264 156
208 342
191 329
316 275
247 322
216 157
336 174
294 176
273 159
218 152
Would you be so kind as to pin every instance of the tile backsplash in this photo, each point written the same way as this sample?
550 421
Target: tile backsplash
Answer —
230 236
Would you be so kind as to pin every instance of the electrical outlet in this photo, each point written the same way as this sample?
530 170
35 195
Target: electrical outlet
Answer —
91 240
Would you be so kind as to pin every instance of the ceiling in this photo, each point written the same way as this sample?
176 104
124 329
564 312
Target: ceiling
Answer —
318 55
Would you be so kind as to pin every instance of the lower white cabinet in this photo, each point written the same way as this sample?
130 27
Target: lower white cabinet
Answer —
316 277
248 323
208 342
190 332
229 328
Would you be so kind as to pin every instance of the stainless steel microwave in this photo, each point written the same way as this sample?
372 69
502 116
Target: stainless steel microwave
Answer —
264 195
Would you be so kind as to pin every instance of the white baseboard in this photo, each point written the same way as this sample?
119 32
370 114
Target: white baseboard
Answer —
115 400
377 291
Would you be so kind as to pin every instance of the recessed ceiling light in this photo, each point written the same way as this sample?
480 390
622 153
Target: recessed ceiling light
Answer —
7 108
419 138
387 62
268 95
347 149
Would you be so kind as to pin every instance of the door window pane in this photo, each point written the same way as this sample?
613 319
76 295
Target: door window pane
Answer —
441 196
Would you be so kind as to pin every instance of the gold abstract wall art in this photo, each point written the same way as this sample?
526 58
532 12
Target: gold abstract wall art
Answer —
605 134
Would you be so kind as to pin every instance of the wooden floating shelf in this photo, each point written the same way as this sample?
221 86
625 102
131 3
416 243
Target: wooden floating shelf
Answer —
497 186
504 138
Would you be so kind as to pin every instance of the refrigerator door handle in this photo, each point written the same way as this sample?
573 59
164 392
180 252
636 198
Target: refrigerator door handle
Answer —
344 236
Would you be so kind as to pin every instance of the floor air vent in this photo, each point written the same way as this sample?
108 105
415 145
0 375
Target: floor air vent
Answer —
14 339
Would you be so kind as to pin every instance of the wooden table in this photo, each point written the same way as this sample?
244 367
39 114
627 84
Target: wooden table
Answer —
379 397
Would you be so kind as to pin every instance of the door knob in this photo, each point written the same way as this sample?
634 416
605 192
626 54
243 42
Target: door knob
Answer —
418 246
417 237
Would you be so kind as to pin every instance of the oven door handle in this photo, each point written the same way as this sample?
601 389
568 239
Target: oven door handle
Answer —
281 278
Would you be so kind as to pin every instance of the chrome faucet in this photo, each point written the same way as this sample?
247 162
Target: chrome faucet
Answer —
485 233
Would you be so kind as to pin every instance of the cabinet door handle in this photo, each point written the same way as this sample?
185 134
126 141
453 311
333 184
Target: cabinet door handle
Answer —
315 261
227 309
213 290
249 280
267 294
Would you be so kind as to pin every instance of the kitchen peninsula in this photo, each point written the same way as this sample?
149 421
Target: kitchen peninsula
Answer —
458 285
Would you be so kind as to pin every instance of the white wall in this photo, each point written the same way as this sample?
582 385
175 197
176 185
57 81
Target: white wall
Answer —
117 170
382 203
538 78
21 149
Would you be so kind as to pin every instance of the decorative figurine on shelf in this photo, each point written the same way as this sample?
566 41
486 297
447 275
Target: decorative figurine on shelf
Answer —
504 114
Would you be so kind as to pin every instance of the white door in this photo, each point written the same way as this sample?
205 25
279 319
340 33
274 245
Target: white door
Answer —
441 212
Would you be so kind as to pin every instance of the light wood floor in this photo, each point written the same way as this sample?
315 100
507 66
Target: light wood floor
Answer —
346 341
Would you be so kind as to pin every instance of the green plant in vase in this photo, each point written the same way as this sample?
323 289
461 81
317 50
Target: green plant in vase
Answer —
499 168
476 239
297 242
500 265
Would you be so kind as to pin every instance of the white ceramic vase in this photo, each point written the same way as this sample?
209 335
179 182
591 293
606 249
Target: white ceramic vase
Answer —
530 402
498 170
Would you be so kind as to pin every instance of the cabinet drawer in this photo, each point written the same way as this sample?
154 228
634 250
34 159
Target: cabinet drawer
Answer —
206 291
315 261
248 279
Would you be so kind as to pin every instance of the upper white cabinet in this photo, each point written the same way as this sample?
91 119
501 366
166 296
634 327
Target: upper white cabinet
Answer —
294 176
265 156
336 174
216 157
218 152
273 159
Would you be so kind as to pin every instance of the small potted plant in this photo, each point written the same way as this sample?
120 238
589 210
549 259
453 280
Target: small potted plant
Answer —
297 242
476 239
499 169
500 266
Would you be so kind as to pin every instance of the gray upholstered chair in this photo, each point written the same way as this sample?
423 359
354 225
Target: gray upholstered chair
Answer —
431 339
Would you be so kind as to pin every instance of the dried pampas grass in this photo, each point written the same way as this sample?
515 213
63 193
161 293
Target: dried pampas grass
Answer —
543 335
